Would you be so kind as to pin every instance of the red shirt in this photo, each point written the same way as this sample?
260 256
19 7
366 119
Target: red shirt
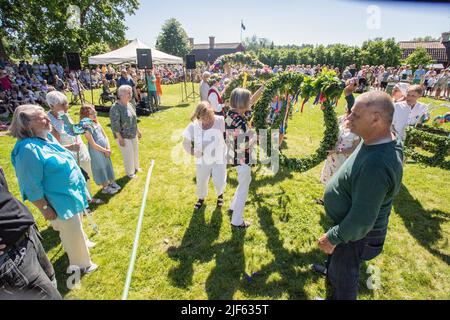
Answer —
5 83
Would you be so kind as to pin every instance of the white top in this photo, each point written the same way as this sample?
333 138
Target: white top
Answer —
346 137
204 89
210 142
405 116
214 102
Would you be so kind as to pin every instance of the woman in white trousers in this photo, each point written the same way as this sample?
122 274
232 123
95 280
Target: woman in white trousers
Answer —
204 139
124 126
238 138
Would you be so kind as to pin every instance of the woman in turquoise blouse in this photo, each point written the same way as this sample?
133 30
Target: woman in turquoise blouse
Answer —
50 178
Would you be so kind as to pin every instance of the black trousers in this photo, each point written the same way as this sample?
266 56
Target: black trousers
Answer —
26 272
344 264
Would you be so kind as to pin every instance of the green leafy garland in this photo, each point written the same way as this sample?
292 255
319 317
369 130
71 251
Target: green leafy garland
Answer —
326 88
429 139
238 58
254 81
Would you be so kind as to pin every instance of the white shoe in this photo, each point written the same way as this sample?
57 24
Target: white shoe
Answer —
90 244
109 190
115 186
90 269
132 176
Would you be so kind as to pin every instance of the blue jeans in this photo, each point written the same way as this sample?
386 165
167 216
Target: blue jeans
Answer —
26 273
344 264
153 98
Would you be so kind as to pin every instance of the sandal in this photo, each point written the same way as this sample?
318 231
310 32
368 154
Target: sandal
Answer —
244 225
199 204
319 202
220 201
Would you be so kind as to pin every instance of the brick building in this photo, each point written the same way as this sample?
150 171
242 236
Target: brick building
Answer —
209 52
439 50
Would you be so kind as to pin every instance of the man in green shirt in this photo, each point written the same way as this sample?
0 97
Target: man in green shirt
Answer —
359 197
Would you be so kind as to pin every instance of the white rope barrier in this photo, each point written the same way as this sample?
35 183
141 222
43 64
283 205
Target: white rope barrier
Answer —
138 233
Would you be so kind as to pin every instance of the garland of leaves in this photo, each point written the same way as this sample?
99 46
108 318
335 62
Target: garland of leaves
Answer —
429 139
254 81
238 58
326 88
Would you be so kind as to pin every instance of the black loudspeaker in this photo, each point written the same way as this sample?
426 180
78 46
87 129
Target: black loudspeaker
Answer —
73 61
191 64
144 58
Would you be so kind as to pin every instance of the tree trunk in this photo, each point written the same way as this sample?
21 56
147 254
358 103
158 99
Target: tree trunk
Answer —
3 55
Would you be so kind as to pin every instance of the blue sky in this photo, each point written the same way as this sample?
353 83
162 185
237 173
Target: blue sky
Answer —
291 21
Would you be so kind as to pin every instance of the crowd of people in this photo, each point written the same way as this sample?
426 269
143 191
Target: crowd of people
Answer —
55 168
362 174
29 83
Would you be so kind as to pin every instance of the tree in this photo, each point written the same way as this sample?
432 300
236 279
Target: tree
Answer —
93 50
381 52
255 44
173 39
419 57
426 38
42 28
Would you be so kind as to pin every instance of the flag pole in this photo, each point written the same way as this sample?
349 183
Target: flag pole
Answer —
242 22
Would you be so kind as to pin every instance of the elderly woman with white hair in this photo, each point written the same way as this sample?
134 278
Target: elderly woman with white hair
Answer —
124 126
50 178
59 105
204 86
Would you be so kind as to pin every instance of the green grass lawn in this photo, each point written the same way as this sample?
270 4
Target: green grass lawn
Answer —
187 255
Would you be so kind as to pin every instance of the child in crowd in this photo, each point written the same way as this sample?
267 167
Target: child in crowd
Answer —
100 152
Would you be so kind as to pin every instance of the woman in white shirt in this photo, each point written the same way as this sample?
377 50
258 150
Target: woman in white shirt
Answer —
204 139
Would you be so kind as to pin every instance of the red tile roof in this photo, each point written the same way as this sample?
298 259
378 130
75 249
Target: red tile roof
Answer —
424 44
435 48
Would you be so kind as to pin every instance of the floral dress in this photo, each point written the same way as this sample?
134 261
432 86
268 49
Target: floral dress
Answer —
336 160
238 138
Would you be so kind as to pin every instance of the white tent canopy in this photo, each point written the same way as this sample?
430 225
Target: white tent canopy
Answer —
127 54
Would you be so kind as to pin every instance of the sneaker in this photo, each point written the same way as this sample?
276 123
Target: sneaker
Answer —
109 190
115 186
90 244
90 269
96 201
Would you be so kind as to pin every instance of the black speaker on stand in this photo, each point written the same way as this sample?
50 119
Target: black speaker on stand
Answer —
191 64
145 62
74 63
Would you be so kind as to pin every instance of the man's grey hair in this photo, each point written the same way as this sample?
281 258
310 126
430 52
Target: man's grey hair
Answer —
20 124
56 98
381 102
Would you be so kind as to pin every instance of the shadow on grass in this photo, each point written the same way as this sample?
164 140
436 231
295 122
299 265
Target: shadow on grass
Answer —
61 264
424 225
122 182
293 268
226 277
182 105
196 246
